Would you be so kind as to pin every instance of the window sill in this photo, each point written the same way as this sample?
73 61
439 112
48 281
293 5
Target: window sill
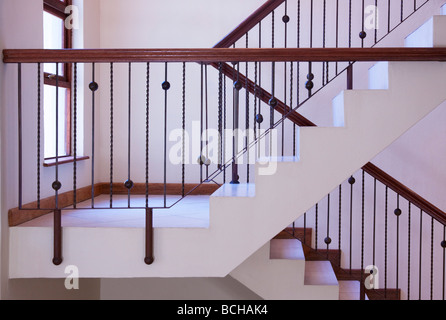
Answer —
63 160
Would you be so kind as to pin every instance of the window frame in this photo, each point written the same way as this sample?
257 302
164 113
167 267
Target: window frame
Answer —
57 8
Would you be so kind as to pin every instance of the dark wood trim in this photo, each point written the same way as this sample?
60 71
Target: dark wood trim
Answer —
62 160
224 55
405 192
158 189
56 5
249 23
50 80
29 212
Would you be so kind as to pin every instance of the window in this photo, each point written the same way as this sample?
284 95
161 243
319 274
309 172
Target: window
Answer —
57 79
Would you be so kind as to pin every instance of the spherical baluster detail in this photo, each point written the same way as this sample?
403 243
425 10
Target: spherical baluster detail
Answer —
56 185
93 86
286 19
362 34
129 184
443 244
259 119
398 212
201 160
309 84
165 85
273 102
327 241
352 180
238 85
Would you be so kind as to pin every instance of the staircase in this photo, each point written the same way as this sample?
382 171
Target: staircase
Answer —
365 122
383 76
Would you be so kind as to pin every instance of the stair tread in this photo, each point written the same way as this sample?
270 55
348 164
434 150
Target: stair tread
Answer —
290 249
319 273
235 190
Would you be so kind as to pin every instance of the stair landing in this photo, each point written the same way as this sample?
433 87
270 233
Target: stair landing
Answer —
191 212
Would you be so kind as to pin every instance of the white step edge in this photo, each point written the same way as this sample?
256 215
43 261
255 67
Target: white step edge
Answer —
430 34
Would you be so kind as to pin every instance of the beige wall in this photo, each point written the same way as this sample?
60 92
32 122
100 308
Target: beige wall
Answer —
175 289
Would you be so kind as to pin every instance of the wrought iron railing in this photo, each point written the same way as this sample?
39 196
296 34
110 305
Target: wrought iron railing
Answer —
153 122
377 231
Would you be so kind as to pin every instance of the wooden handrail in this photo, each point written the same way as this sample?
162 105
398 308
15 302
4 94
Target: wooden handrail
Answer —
405 192
249 23
222 55
265 96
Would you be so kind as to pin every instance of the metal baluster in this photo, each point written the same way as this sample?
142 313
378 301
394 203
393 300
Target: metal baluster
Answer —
247 114
388 16
309 84
285 20
149 259
376 21
363 34
443 245
291 102
362 292
311 22
255 100
432 259
129 182
298 79
328 239
93 88
166 87
220 115
316 218
207 162
350 24
305 228
57 185
39 111
398 213
20 131
201 160
421 253
75 137
350 76
111 131
351 181
236 107
273 100
385 243
340 224
324 18
259 117
147 131
224 129
374 222
337 33
408 251
57 215
402 10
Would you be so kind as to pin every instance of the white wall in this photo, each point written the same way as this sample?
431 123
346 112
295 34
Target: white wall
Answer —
19 35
